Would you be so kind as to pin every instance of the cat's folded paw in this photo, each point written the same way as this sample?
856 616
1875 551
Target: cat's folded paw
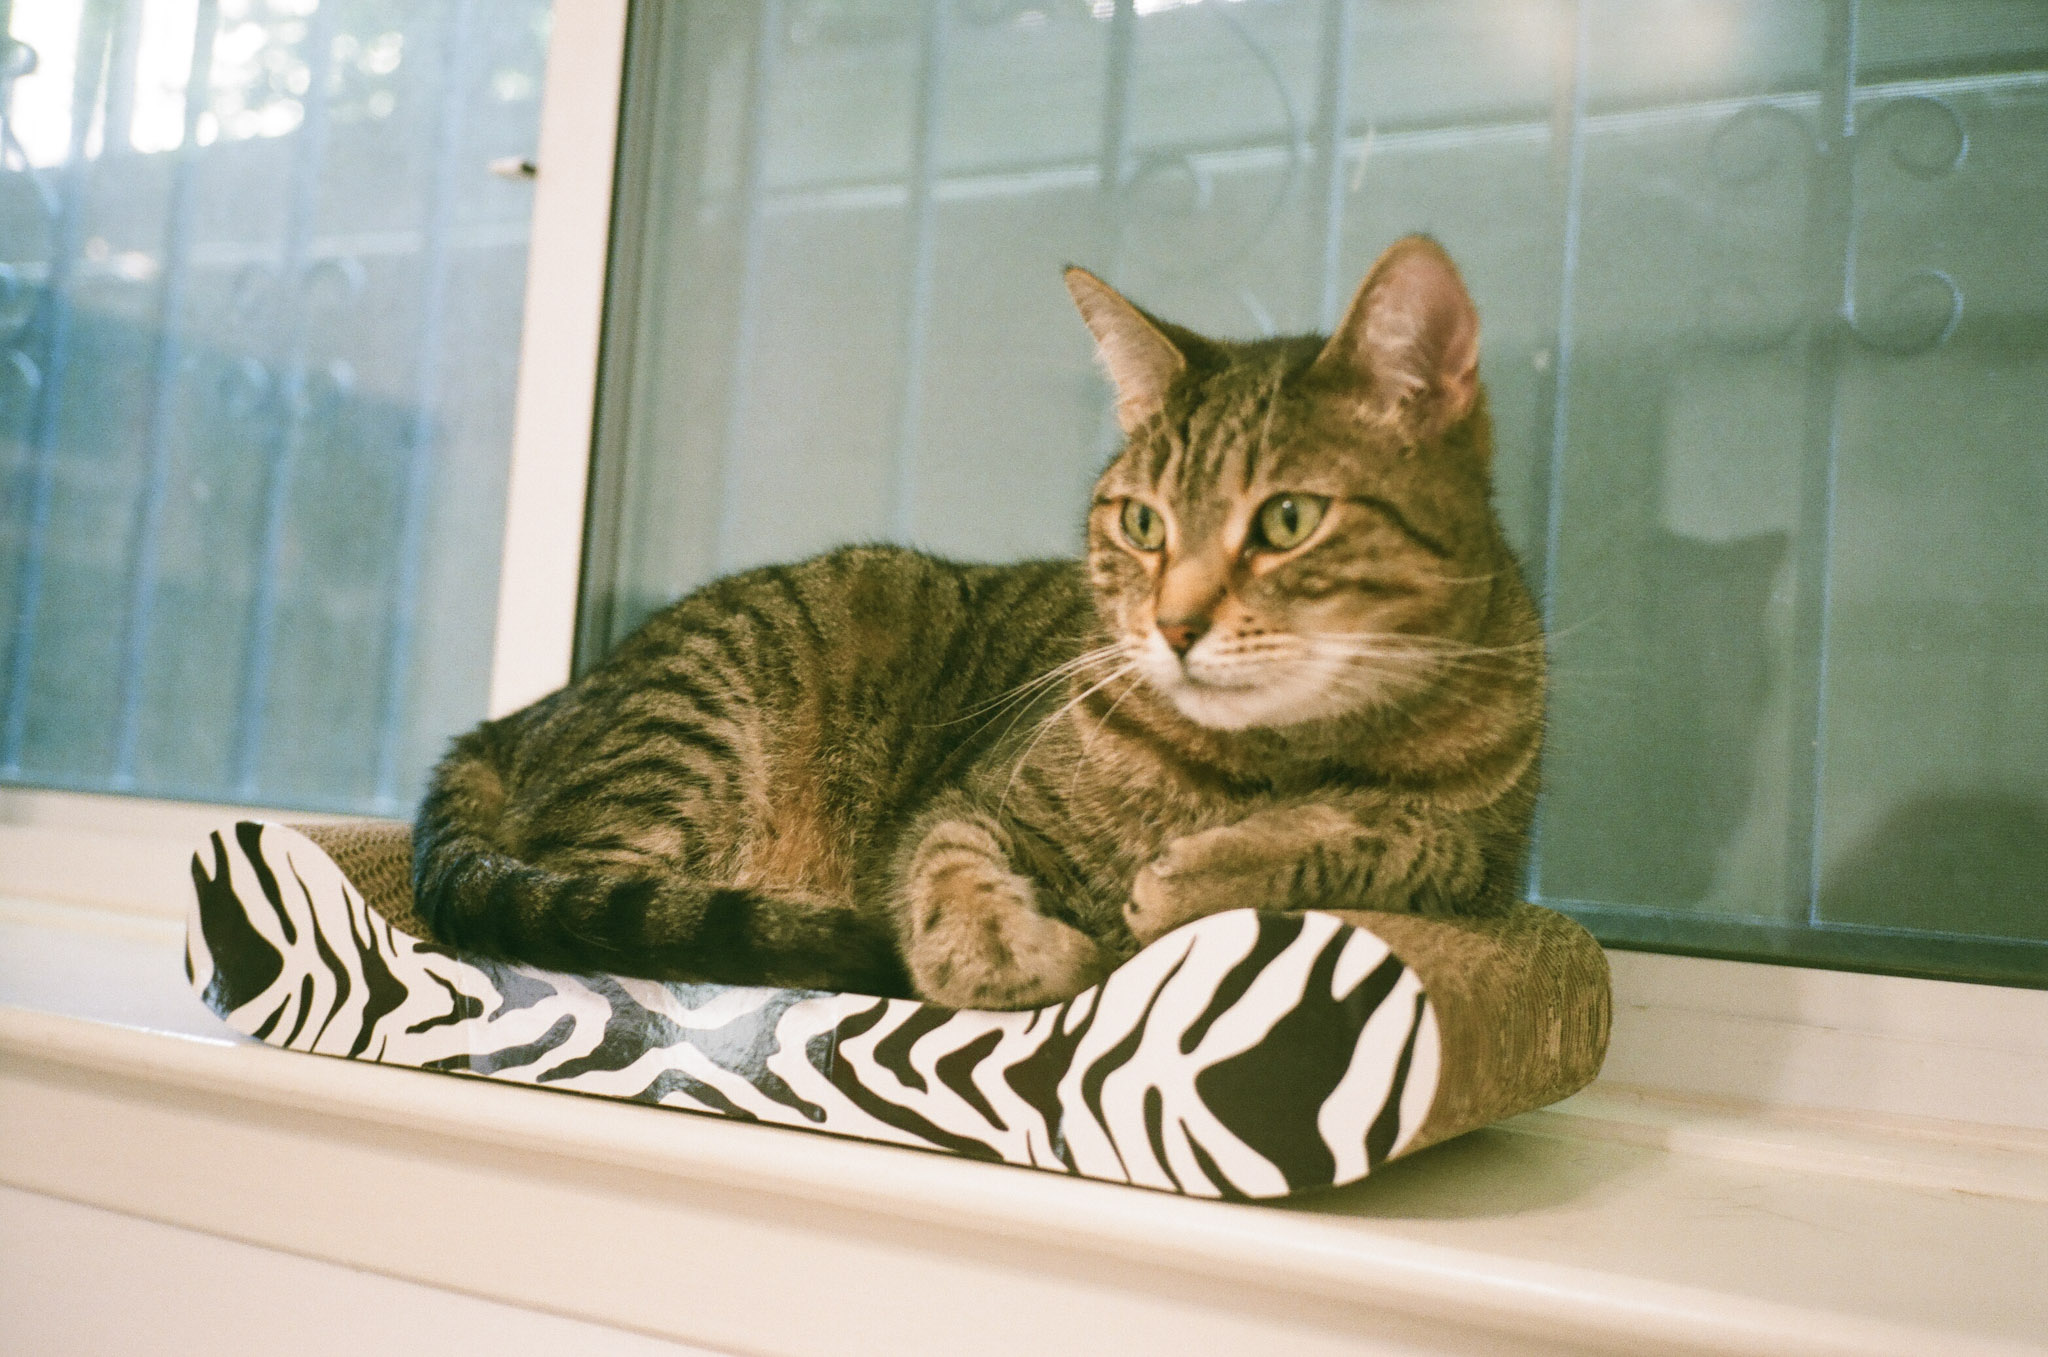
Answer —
980 942
1151 910
1058 960
1186 883
1020 960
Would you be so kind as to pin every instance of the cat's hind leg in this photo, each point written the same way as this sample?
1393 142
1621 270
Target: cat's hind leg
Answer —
970 929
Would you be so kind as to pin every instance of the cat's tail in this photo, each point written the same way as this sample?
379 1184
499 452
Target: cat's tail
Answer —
478 897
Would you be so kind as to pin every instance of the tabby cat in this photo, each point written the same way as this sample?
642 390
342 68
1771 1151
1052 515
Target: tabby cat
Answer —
1298 666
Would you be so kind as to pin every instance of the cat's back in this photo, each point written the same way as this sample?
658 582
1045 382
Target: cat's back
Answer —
859 656
796 705
865 618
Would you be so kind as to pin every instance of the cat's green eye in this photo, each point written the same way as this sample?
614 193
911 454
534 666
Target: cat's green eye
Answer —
1285 521
1143 526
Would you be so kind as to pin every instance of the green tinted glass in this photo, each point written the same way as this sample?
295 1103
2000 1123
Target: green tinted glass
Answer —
1766 310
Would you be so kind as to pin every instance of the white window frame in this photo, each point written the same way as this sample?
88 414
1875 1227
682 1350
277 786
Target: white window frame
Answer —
1830 1042
556 404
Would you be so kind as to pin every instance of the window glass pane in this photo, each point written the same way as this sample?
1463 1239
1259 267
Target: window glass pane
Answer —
1763 291
259 314
1936 692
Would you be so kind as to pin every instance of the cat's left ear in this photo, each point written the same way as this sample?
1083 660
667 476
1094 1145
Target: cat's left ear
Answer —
1411 337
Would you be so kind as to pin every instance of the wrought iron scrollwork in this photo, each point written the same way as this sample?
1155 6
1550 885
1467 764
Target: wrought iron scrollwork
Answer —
1918 314
1752 144
21 376
1927 135
1924 137
1175 185
17 58
258 297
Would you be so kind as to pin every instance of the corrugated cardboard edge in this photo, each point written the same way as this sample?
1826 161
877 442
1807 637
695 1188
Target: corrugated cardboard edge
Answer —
1523 1007
376 857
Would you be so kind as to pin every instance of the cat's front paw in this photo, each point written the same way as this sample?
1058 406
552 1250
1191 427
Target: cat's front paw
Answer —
1196 876
976 938
1017 959
1152 909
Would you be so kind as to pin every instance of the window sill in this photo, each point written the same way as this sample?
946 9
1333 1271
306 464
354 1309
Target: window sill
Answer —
1620 1220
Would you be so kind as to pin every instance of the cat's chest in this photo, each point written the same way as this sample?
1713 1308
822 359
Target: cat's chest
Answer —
1133 808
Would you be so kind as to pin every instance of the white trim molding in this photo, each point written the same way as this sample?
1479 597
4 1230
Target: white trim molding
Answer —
1797 1037
207 1296
558 353
703 1230
1626 1219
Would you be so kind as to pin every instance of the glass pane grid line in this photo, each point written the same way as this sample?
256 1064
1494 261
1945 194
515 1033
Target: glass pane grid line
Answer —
963 184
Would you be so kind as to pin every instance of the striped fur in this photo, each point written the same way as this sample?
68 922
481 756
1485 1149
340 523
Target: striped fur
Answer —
987 785
1247 1056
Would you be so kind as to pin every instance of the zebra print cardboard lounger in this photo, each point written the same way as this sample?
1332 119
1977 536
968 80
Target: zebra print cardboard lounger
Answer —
1246 1055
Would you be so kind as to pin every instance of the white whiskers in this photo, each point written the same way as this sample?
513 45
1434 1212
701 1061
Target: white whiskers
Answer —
1033 687
1126 668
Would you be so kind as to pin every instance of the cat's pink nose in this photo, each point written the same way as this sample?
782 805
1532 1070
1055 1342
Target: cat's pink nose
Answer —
1182 634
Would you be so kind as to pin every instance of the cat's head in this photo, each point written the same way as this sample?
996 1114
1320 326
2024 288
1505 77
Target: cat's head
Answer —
1297 528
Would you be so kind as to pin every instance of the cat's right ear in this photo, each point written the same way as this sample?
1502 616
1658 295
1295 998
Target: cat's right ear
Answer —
1142 362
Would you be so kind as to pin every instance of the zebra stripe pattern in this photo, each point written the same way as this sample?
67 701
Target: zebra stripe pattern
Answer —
1246 1055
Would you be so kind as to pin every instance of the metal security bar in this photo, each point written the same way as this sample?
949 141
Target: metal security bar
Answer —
54 321
1568 134
746 311
292 293
146 553
458 20
924 171
1333 135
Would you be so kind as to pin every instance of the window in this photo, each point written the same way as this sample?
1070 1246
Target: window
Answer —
1766 314
260 298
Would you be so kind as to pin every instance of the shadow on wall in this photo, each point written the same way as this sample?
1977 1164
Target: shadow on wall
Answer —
1964 862
1665 664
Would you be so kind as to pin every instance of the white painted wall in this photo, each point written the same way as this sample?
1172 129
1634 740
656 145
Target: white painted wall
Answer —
76 1281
